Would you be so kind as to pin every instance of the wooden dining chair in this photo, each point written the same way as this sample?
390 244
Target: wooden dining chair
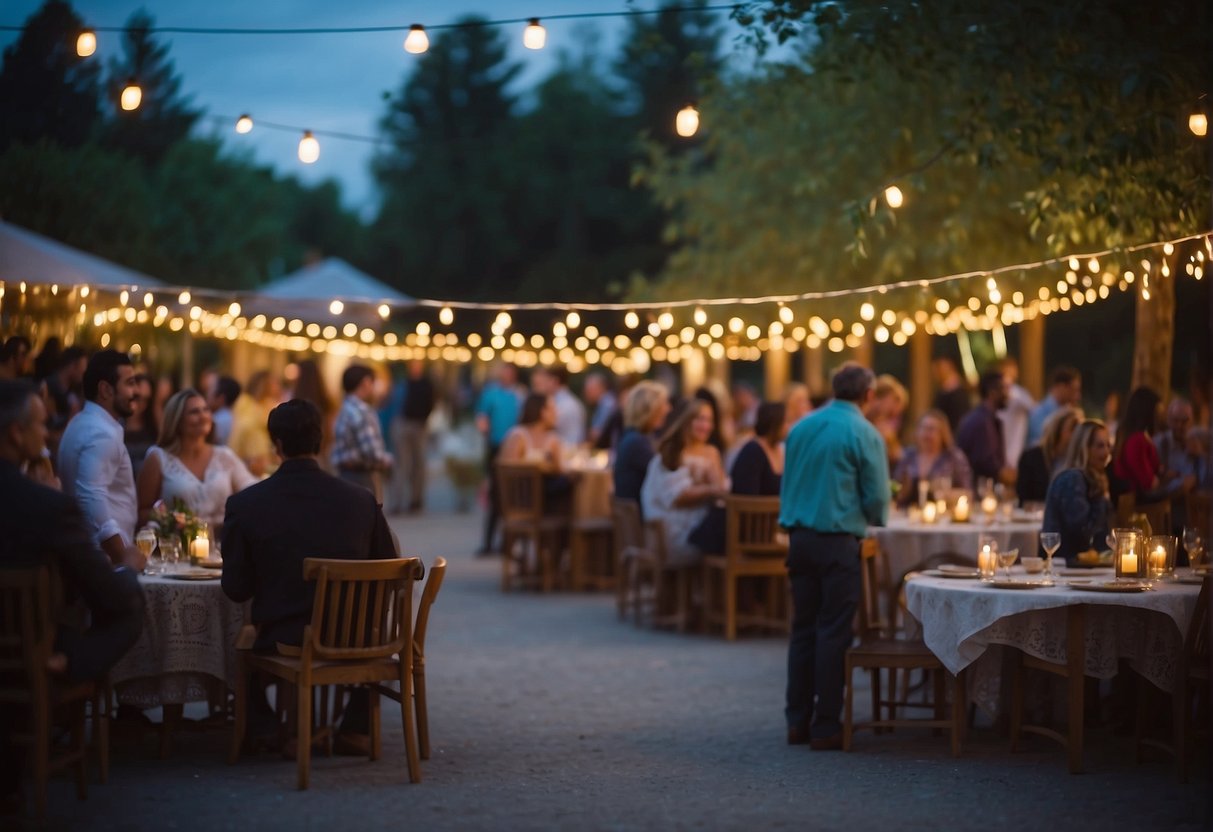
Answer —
754 548
876 651
30 599
629 547
1191 683
433 583
1158 515
361 634
527 532
1197 512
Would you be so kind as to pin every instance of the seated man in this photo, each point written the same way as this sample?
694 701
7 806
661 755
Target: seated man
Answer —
39 525
271 527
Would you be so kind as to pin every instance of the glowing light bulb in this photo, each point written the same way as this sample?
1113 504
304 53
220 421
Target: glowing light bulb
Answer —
417 40
686 124
572 320
132 96
894 196
786 315
534 36
631 320
665 320
701 317
336 307
1168 249
385 311
867 311
86 45
183 298
1198 123
309 148
446 316
244 124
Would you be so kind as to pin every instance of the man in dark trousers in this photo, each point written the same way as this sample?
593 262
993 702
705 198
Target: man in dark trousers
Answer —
418 405
39 525
270 528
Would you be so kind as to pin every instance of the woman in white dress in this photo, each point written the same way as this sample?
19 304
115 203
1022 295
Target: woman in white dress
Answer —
184 464
684 480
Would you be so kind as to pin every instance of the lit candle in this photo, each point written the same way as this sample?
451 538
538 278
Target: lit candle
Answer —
1158 560
960 512
200 548
986 561
1128 562
989 505
929 512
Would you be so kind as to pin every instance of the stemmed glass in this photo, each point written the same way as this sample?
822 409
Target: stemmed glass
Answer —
1194 545
145 539
1007 559
1050 542
170 553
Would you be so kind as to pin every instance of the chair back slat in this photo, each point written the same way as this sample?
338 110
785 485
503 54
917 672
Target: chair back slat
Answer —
873 574
433 583
361 606
520 487
752 528
629 531
1158 515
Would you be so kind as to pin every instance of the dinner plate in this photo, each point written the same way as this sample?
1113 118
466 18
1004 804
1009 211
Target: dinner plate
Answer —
1190 579
1080 571
971 575
1110 586
1017 584
193 575
211 564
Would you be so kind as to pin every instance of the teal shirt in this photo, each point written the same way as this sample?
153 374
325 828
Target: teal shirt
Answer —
835 473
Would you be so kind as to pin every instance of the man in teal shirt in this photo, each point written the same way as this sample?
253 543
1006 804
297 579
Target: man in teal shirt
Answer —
835 485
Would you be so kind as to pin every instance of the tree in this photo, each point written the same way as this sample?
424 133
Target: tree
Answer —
164 117
46 90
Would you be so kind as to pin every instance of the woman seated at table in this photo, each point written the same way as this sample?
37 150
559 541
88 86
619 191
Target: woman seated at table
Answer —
1137 467
534 441
683 481
644 412
1036 465
1077 505
933 456
183 464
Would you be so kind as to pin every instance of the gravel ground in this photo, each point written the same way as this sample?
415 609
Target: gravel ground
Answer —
548 713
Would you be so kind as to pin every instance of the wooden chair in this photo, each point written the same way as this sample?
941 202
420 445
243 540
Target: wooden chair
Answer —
526 529
1073 671
433 583
754 548
629 545
1157 514
877 651
1191 680
30 599
591 550
361 629
1197 512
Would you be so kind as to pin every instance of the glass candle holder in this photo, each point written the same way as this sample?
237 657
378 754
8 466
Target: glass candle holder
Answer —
200 546
960 511
1160 556
987 558
1130 557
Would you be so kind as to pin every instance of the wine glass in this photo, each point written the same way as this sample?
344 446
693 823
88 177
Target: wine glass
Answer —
1193 544
1006 559
1050 542
145 539
170 553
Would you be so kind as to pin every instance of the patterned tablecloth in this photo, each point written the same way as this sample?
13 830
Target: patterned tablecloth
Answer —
907 543
962 619
187 652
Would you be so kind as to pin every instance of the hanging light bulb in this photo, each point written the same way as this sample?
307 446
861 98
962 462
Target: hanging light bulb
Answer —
572 320
894 196
244 124
309 148
385 311
534 36
687 122
86 44
631 320
417 40
701 317
786 315
336 307
1198 123
132 95
446 316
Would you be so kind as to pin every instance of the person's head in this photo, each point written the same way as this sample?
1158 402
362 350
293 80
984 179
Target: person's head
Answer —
692 420
889 398
744 397
22 421
109 381
73 361
542 381
1089 449
538 409
415 369
187 418
1179 418
595 387
1141 413
797 402
993 390
1057 431
1065 385
506 374
1009 368
295 429
224 393
261 386
853 383
943 371
358 380
14 356
141 402
647 406
771 422
1197 442
206 382
933 434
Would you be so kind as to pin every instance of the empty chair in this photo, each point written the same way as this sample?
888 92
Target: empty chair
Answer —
755 547
527 532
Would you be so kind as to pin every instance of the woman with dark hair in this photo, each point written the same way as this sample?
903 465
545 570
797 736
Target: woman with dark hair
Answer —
1078 505
717 439
683 481
1137 466
1037 465
534 440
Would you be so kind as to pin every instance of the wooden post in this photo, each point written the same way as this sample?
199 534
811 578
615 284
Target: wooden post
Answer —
1154 336
775 374
694 370
920 374
863 353
187 359
718 370
1032 356
814 370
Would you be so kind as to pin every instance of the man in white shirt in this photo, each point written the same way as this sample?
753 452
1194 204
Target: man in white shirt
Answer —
570 412
1015 415
94 465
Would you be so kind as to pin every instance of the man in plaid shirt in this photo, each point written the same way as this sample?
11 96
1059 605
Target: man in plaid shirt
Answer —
359 454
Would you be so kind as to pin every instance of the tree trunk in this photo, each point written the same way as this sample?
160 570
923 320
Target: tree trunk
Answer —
920 374
1155 333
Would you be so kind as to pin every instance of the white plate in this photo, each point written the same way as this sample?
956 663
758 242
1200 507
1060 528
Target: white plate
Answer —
1017 584
971 575
1110 586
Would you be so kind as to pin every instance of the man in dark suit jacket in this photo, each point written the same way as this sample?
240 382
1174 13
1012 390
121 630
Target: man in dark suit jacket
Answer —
300 512
39 525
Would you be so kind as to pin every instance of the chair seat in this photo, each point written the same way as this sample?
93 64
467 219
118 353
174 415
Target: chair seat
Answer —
544 523
774 565
593 524
903 652
329 672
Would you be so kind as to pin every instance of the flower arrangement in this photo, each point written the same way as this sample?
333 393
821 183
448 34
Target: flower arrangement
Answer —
176 519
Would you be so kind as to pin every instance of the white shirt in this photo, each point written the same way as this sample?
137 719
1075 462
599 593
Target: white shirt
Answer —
95 469
570 417
1015 422
207 497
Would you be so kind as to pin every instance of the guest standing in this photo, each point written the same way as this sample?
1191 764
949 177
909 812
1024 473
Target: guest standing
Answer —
1078 505
1017 412
14 357
1065 388
1037 465
835 485
496 413
184 465
600 397
249 438
888 405
359 455
644 413
94 465
1137 466
798 402
419 398
139 429
222 398
980 432
64 389
933 456
570 412
951 395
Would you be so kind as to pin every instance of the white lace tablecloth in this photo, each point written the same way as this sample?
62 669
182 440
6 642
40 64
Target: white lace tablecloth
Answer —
907 544
187 652
961 619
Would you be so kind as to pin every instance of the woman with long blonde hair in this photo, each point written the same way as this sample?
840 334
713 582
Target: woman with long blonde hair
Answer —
1078 505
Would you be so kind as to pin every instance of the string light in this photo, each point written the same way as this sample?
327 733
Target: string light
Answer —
893 196
631 320
336 307
446 315
417 42
244 124
385 311
86 43
309 148
132 95
534 36
701 317
1198 123
686 124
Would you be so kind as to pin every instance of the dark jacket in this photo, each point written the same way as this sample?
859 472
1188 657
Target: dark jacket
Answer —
980 437
1032 481
418 399
39 525
270 528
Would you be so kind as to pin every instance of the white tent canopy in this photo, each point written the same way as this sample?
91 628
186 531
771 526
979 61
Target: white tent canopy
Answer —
333 278
26 256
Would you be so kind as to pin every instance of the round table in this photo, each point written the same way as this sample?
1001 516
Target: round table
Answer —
187 652
908 543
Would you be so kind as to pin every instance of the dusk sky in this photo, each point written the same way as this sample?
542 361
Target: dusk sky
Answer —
322 82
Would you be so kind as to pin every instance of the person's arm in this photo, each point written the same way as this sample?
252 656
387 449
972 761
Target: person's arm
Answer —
95 473
1139 463
873 478
151 481
746 473
370 445
238 575
241 476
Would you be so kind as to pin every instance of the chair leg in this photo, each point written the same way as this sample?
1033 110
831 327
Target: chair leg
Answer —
848 725
1075 684
876 699
422 711
240 717
730 605
958 712
376 726
410 730
303 731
